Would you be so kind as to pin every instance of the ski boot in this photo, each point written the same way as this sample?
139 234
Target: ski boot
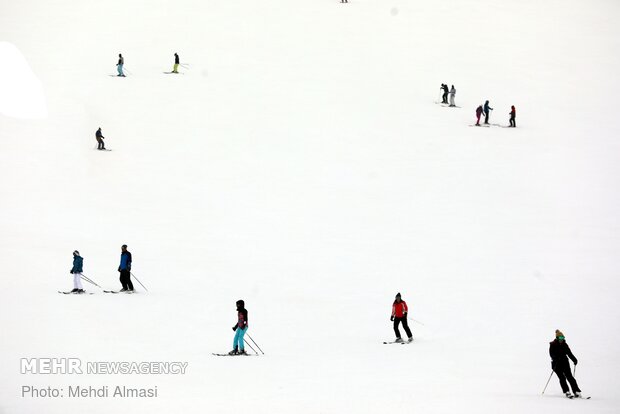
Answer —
233 352
410 339
123 290
577 394
74 290
242 352
568 394
399 340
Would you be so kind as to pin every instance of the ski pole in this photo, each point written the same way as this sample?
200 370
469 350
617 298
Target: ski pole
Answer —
90 281
138 280
246 342
184 65
575 370
547 383
417 322
127 70
255 344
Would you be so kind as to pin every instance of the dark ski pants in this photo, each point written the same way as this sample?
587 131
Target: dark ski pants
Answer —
478 119
564 374
512 122
397 321
486 118
445 97
100 144
126 279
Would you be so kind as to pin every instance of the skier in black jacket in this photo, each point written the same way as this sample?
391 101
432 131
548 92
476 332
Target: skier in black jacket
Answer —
99 136
559 351
444 98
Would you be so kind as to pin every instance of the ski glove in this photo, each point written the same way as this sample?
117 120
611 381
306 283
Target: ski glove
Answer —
234 328
392 318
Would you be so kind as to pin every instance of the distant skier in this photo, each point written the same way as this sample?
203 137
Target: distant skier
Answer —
513 115
444 88
479 111
344 1
125 269
452 95
120 64
399 314
76 271
240 328
487 111
177 61
559 351
99 136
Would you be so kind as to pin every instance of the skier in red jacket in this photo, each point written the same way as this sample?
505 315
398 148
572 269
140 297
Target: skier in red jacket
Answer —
399 314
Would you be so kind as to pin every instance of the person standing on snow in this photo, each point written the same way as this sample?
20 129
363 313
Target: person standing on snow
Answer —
487 110
240 328
513 115
125 269
76 271
119 65
399 314
444 88
99 136
177 61
452 95
559 351
479 111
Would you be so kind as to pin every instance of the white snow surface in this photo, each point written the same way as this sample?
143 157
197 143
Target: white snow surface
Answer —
302 165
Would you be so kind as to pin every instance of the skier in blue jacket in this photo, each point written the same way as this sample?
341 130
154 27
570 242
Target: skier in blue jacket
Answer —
125 269
76 271
487 110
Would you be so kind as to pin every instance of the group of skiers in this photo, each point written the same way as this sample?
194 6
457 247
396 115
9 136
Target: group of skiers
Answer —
486 110
482 109
124 268
446 92
121 63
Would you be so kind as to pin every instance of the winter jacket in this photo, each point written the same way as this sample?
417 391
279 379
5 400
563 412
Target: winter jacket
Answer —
445 88
399 309
125 261
487 107
121 60
176 59
559 351
242 318
77 264
479 111
513 112
98 134
453 91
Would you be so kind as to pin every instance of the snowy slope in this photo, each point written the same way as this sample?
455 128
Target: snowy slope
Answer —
302 164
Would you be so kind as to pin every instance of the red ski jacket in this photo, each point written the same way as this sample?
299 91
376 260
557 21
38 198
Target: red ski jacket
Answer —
399 309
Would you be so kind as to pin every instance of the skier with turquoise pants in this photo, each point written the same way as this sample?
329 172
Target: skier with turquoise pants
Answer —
120 64
240 328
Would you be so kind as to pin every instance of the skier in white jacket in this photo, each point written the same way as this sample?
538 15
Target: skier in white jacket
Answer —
452 94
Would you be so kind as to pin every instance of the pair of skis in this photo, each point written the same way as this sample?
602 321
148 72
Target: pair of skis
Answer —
397 342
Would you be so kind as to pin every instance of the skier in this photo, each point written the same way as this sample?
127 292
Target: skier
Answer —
240 328
176 64
125 269
99 136
399 314
513 114
479 111
559 350
487 110
444 88
452 94
344 1
119 65
76 271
